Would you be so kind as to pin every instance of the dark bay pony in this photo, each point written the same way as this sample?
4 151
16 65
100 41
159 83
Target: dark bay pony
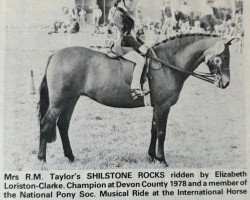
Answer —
76 71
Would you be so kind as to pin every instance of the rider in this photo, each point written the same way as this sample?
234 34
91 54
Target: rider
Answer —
129 44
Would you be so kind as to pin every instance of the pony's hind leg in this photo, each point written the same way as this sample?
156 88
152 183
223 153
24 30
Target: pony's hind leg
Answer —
152 147
48 130
63 126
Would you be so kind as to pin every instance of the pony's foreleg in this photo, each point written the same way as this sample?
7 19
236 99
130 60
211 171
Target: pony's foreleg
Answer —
42 149
63 126
151 151
47 129
161 121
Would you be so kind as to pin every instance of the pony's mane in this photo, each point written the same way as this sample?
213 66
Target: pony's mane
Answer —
184 36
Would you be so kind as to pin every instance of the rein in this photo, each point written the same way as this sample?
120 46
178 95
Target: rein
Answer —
203 76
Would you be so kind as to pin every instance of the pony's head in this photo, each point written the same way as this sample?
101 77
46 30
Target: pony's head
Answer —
217 59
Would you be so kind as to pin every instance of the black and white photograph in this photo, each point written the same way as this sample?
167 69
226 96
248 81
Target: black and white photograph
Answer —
124 84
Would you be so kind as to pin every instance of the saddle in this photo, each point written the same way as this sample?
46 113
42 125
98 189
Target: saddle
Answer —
127 64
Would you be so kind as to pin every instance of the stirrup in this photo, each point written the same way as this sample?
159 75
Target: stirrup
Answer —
138 93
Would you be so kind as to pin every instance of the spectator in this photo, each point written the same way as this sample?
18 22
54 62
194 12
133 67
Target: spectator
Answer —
233 30
150 36
74 26
111 31
97 31
228 27
217 30
66 16
65 10
83 18
197 27
167 29
208 29
54 28
140 31
184 27
162 19
97 14
73 16
157 30
112 12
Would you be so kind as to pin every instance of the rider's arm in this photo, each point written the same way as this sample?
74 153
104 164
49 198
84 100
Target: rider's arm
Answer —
139 43
136 37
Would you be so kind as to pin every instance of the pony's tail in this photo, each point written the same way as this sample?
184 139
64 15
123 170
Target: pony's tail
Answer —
43 105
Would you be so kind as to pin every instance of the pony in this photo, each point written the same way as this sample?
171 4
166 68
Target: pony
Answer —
77 71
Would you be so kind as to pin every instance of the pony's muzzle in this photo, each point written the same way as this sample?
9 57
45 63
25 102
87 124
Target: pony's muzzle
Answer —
225 80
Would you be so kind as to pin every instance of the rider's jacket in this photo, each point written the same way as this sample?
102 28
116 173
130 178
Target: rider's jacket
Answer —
125 25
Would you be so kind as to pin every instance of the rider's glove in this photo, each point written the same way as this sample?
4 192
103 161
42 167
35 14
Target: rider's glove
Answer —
143 49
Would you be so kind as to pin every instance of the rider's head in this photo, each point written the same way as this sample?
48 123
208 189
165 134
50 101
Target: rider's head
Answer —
127 3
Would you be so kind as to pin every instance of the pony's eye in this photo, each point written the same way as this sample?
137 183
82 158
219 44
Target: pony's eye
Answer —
217 61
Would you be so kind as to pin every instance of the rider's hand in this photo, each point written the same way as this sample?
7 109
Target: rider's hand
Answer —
143 49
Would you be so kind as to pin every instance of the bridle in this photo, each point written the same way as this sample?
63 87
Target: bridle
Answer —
208 56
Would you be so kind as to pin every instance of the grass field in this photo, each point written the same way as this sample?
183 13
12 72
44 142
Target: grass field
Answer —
206 128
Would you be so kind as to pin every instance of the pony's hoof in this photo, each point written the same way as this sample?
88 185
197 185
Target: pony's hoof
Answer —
162 161
41 158
151 159
71 158
44 166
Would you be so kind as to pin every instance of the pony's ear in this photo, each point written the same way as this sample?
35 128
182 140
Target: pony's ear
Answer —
229 42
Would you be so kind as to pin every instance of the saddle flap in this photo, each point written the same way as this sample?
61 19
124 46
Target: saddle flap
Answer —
128 68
